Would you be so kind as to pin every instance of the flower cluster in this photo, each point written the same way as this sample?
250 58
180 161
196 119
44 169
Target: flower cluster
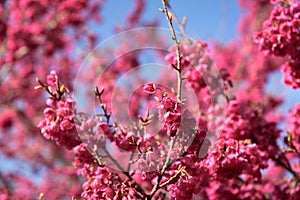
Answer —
230 158
281 37
242 124
291 71
83 161
59 116
105 184
170 114
26 31
294 127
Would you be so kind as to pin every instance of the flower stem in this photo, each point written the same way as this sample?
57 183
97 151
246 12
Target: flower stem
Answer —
177 45
163 170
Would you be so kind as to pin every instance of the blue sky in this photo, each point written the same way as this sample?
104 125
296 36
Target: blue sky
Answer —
206 19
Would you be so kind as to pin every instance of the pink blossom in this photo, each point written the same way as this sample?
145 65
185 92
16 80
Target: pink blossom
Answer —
52 78
149 88
66 125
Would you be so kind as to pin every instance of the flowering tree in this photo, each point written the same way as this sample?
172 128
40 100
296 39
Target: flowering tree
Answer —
201 126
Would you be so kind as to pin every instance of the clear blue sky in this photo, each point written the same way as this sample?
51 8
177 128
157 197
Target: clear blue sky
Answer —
206 19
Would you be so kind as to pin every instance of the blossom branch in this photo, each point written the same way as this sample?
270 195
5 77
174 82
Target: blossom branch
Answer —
171 179
181 25
138 187
291 144
103 106
286 166
164 168
177 45
57 94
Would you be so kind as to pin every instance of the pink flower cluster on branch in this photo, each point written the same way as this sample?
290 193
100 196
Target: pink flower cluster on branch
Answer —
244 124
105 184
59 117
170 114
281 37
230 158
293 129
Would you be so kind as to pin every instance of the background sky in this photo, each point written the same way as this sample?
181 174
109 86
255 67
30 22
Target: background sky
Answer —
206 19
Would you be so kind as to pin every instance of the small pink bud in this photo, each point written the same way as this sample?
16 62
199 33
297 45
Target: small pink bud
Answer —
66 125
51 102
52 78
49 113
150 88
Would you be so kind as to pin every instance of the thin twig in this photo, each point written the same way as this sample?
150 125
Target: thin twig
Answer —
164 168
103 106
171 179
177 45
286 166
129 163
181 25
